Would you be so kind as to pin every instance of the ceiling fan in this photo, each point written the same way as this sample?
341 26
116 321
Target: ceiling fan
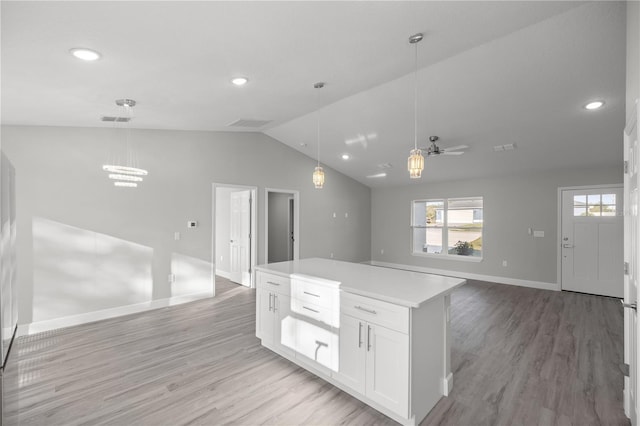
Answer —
435 150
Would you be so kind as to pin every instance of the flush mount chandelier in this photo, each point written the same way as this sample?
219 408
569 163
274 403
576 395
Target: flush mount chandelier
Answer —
126 174
415 163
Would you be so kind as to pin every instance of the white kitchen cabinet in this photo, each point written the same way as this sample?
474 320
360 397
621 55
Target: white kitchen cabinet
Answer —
379 334
274 323
387 368
374 361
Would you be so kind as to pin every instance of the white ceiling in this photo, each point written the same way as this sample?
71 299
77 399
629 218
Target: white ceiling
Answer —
491 73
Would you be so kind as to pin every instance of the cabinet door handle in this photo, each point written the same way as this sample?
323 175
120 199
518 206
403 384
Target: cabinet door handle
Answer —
368 338
359 334
309 309
275 302
272 283
371 311
270 295
311 294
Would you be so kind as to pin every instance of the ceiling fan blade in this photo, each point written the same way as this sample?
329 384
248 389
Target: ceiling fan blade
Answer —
452 153
455 148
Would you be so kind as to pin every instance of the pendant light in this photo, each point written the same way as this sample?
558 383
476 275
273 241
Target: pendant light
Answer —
127 174
318 173
415 163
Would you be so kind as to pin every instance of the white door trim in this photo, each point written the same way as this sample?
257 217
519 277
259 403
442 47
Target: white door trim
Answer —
254 228
296 221
559 226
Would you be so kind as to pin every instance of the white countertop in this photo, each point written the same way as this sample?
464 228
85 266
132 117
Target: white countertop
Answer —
396 286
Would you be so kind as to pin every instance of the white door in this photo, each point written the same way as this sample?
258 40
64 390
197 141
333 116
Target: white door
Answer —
592 241
351 365
387 375
632 158
240 224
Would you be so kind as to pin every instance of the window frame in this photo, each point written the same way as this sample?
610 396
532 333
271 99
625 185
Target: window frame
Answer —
445 230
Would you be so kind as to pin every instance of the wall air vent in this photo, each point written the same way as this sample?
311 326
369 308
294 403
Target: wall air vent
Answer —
116 119
249 123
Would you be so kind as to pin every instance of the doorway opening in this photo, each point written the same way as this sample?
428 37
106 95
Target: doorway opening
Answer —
234 225
281 228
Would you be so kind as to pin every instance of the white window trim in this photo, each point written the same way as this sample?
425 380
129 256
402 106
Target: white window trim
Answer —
445 227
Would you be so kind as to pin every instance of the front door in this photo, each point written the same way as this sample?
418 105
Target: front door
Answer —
240 232
592 240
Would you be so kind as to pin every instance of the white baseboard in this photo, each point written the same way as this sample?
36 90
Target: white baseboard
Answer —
53 324
471 276
223 274
447 384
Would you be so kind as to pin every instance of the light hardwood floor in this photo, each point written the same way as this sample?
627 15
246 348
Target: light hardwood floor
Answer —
520 357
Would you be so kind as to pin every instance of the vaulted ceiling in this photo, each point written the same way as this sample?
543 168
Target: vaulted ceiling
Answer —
490 73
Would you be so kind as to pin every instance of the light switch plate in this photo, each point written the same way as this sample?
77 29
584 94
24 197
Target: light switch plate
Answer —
538 234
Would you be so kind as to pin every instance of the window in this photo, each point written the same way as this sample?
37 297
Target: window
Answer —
594 205
447 227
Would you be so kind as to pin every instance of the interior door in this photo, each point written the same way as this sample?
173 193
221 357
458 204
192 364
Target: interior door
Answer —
240 234
631 242
592 241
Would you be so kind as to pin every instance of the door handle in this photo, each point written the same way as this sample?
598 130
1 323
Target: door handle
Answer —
632 305
567 245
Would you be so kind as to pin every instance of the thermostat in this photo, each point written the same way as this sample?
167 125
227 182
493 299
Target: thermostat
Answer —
192 224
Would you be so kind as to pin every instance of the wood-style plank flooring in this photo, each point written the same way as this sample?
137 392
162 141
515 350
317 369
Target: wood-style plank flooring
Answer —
519 356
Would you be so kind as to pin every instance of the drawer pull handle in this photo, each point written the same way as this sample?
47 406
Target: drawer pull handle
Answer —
311 294
309 309
272 283
320 344
371 311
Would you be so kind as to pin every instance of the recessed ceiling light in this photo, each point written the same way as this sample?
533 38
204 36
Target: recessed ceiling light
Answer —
594 105
378 175
85 54
240 81
345 156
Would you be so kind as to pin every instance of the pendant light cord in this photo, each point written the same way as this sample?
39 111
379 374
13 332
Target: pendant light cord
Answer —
415 100
318 122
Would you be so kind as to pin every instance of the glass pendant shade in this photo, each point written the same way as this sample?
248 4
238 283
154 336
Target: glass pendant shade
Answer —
415 164
318 177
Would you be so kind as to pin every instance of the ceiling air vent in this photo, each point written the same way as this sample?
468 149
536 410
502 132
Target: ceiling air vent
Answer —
116 119
249 123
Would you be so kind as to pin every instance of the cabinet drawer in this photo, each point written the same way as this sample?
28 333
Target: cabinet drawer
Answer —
307 291
375 311
272 282
317 313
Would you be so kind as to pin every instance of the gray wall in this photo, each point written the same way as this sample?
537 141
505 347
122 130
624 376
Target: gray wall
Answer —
94 246
511 205
633 55
278 227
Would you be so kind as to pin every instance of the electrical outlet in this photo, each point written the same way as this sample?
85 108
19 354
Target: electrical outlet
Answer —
176 236
504 263
334 215
346 215
172 278
381 251
332 255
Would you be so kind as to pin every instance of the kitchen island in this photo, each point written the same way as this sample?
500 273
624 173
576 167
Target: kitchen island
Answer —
379 334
